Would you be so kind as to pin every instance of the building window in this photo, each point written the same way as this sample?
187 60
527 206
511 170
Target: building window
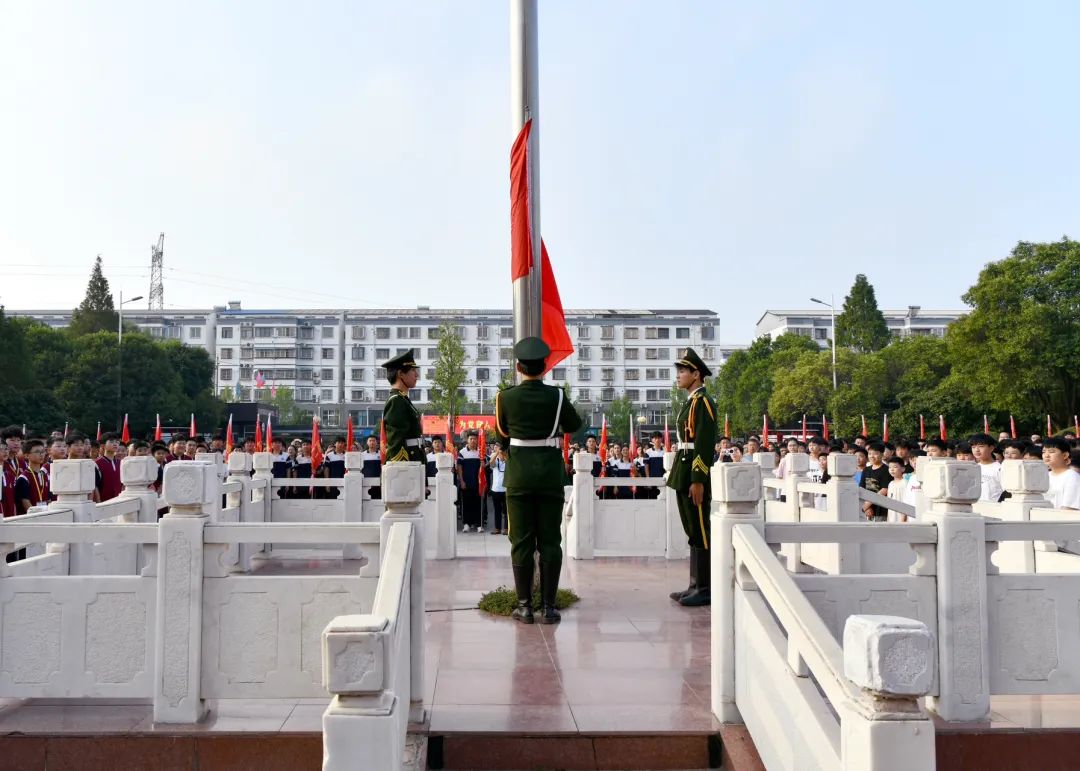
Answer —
583 333
708 332
247 333
506 354
327 333
225 375
358 353
305 352
633 394
358 332
482 353
631 353
328 374
653 395
382 394
415 394
305 394
245 372
632 374
630 333
559 373
584 373
358 373
504 374
382 353
607 332
429 373
481 331
226 333
328 354
328 394
482 373
408 333
226 353
607 353
382 333
583 394
584 353
821 333
607 374
433 333
306 333
657 333
506 332
380 374
607 394
682 333
195 333
708 352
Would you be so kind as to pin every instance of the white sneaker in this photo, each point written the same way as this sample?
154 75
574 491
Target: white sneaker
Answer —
465 529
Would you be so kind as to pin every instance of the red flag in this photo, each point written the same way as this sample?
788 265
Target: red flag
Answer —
566 450
349 435
552 317
922 428
449 435
269 433
99 430
157 428
382 441
986 425
191 431
804 427
258 436
125 436
864 431
765 432
1012 426
481 479
603 446
941 428
667 436
65 430
316 445
824 428
1049 425
885 428
1076 426
228 437
633 446
727 426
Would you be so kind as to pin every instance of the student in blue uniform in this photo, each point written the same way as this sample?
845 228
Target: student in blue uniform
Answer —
301 470
654 461
469 464
372 467
334 464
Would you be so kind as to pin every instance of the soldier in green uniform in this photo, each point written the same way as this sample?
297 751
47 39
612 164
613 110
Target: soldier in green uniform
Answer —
534 416
690 474
400 417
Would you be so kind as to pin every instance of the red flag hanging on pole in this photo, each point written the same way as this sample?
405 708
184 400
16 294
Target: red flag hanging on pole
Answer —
922 428
449 435
349 435
941 428
522 260
65 430
258 436
633 447
765 432
1049 425
228 437
986 424
727 426
804 427
864 431
382 441
824 428
157 427
566 450
603 446
885 428
125 436
269 433
1012 426
1076 426
99 430
191 430
667 436
316 445
481 450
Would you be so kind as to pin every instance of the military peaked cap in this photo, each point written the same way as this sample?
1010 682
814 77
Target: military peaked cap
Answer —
401 362
691 360
531 349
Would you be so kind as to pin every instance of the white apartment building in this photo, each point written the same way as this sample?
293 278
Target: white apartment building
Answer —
330 357
816 323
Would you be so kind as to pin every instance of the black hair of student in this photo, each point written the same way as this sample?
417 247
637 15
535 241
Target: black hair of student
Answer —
888 446
836 446
897 460
864 437
963 447
156 446
139 444
1016 444
95 443
656 435
218 438
31 444
818 440
918 453
1075 459
1057 443
876 446
986 439
941 444
857 450
12 432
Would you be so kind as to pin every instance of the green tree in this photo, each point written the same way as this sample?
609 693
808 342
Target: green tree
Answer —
96 312
450 377
619 414
285 402
802 387
678 399
1018 349
16 370
861 325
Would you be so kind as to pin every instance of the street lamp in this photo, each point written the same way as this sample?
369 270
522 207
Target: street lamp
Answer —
120 351
832 308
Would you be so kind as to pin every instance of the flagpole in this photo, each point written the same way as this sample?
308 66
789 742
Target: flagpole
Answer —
525 105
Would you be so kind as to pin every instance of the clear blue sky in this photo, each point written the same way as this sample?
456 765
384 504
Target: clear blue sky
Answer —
694 154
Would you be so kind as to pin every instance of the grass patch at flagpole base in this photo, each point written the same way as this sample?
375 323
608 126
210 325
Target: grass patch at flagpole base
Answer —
503 600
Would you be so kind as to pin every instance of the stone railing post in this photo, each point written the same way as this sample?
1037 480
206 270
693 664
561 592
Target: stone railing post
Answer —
220 470
352 499
239 468
72 482
1026 481
403 486
842 505
361 725
190 490
767 462
963 649
677 546
797 465
137 475
736 489
579 533
892 659
445 492
256 506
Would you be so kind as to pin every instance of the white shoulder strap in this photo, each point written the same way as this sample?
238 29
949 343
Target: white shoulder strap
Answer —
558 416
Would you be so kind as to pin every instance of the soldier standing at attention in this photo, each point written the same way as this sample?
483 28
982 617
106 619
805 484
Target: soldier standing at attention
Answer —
689 475
400 417
534 416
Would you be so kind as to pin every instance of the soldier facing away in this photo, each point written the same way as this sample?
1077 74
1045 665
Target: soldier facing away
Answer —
534 416
689 475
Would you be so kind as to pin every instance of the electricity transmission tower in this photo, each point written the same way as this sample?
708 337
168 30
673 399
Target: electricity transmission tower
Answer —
157 288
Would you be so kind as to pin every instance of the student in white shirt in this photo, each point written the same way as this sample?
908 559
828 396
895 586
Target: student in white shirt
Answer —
1064 490
898 486
982 447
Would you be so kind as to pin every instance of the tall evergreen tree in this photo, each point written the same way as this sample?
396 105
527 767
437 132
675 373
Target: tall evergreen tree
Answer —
96 312
450 373
861 326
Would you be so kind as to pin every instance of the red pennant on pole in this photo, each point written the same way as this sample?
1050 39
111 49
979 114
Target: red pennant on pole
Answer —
941 428
382 441
99 430
765 432
65 430
667 436
727 426
449 435
1076 426
157 428
125 436
349 435
804 427
1012 426
986 424
885 428
824 428
481 478
566 449
1049 426
228 437
269 433
258 436
316 445
922 428
864 431
191 431
603 446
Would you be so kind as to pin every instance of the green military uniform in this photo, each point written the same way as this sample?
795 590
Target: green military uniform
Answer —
400 417
696 430
534 416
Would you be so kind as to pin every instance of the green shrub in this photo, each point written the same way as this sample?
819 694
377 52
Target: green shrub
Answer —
503 600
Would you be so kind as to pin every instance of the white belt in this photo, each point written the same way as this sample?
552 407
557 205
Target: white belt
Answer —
684 445
413 442
549 442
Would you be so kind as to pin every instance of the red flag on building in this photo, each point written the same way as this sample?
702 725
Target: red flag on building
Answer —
349 435
191 430
316 445
157 428
382 441
1012 426
922 428
885 428
481 479
125 435
269 433
864 431
603 446
824 428
941 428
228 437
258 436
552 317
